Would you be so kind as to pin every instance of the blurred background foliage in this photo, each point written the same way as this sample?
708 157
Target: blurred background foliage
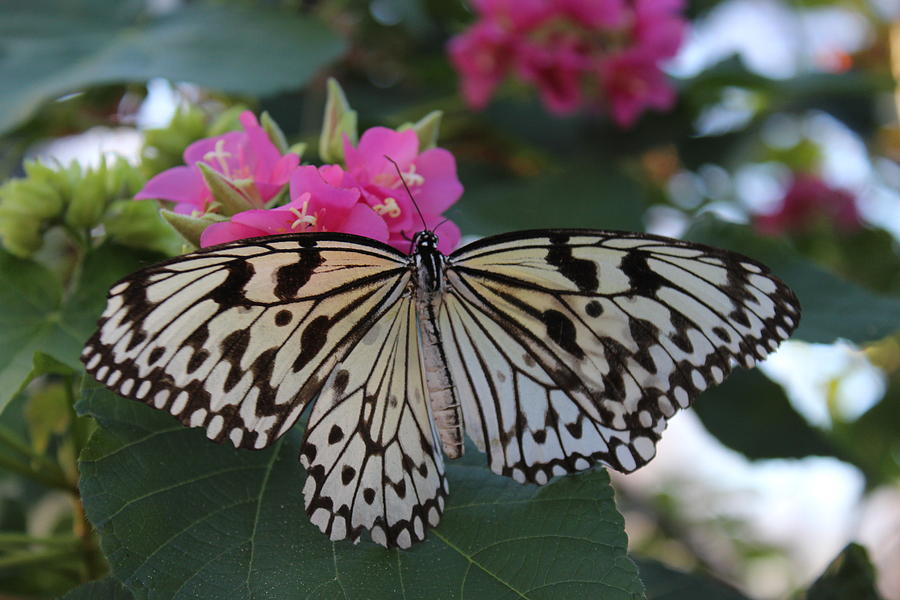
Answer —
786 115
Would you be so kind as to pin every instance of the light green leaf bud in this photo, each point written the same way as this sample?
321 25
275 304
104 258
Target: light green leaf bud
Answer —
137 223
89 200
21 235
339 119
232 196
276 135
190 227
427 128
34 198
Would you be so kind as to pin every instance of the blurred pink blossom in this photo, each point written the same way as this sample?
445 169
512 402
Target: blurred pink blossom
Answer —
367 198
577 53
241 156
809 201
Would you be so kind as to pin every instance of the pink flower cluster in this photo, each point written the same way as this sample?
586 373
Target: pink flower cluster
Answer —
576 52
808 201
364 197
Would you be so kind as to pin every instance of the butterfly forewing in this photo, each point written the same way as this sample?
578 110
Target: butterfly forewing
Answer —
626 328
238 338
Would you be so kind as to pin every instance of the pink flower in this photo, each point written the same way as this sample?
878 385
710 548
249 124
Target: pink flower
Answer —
241 156
366 199
482 58
658 26
316 205
632 83
809 201
430 176
567 47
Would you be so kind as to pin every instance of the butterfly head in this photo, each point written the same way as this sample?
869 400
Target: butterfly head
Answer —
425 240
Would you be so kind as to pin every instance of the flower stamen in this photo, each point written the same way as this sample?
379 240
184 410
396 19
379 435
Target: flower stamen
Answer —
219 155
302 217
389 208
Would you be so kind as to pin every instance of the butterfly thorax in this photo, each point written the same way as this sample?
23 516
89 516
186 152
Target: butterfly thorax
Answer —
429 263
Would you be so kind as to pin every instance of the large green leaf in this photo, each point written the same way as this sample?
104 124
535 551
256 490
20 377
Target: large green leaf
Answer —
35 317
49 48
832 307
666 583
181 517
107 588
748 403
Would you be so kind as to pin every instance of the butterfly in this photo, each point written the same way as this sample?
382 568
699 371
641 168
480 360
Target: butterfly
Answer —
552 350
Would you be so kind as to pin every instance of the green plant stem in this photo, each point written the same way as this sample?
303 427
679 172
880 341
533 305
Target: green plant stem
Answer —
38 467
21 539
17 559
51 478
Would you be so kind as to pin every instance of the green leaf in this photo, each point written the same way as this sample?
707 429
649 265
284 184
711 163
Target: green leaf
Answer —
665 583
230 524
35 318
850 575
747 403
48 411
107 588
577 197
49 48
831 307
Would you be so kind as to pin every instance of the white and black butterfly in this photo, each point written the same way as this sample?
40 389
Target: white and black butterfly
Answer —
551 349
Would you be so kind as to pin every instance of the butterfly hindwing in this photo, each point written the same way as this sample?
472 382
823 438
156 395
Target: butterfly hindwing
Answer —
238 338
371 451
612 333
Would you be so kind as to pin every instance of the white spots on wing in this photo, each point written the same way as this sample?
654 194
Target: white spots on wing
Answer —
215 426
179 404
434 517
95 360
143 390
86 351
698 380
665 406
781 333
262 440
159 399
519 475
126 386
717 374
198 417
581 464
751 267
118 288
114 378
645 447
378 535
236 435
645 418
403 540
625 458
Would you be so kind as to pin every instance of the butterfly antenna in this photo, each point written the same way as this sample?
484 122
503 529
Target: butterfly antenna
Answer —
408 193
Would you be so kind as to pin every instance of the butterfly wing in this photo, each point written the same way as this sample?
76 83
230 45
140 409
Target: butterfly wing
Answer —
238 338
574 346
370 448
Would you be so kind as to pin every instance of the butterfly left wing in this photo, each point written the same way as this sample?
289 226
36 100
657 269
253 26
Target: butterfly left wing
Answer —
569 347
370 450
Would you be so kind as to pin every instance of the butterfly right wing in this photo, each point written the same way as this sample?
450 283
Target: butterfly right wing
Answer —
238 338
